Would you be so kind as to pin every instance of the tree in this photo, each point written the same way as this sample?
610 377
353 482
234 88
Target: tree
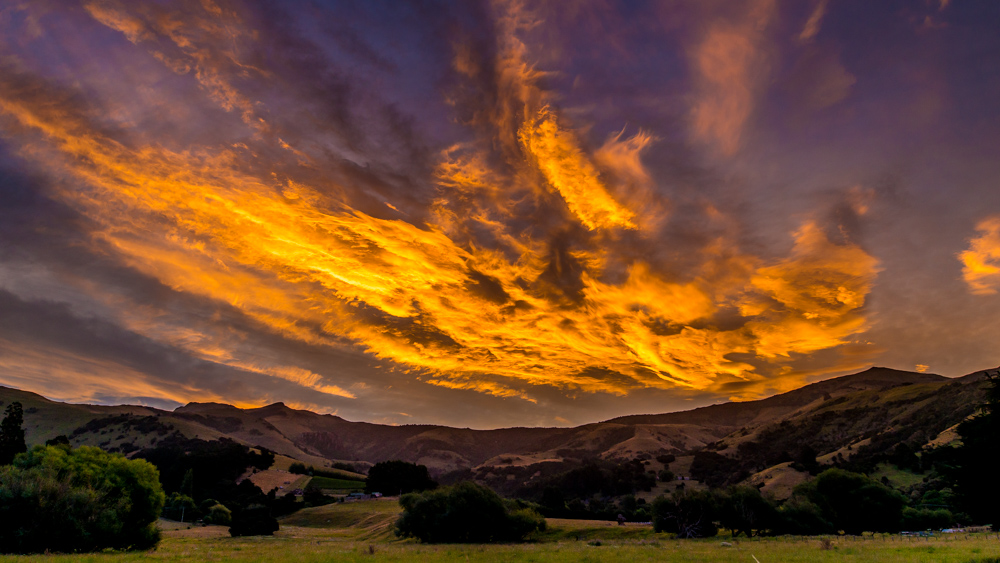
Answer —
253 520
553 502
926 519
742 509
11 433
251 511
689 514
390 477
973 475
465 513
180 508
853 502
54 498
798 516
204 469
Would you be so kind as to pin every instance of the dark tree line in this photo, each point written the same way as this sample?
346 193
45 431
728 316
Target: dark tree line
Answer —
200 474
835 501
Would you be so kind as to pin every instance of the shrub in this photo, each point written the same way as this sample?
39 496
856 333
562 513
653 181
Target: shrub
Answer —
54 498
465 513
219 515
666 475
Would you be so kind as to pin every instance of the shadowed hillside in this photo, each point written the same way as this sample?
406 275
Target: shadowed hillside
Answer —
877 408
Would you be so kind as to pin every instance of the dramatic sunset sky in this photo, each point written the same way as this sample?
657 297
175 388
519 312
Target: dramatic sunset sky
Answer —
493 213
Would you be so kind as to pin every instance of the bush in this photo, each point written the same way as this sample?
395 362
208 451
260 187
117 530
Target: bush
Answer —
54 498
218 515
666 475
465 513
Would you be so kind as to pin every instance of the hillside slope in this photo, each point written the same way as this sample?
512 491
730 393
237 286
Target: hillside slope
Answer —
875 408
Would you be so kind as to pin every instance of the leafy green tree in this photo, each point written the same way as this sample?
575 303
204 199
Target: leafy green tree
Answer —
465 513
689 514
60 499
11 433
391 477
853 502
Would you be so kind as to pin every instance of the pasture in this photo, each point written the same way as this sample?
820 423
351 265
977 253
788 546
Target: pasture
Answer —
363 532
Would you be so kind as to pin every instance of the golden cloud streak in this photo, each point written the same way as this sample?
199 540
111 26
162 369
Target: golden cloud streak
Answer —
572 175
981 262
496 318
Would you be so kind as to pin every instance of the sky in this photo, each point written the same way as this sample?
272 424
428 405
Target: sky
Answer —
488 214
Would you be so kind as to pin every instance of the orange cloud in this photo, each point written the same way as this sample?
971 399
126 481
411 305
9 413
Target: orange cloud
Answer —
811 28
571 174
730 64
981 262
500 312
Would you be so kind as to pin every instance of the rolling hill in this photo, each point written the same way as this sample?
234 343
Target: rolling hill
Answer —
877 408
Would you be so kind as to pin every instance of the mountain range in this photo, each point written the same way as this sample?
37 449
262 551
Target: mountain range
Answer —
879 408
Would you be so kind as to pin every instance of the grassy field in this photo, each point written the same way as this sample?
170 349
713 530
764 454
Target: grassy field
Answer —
362 532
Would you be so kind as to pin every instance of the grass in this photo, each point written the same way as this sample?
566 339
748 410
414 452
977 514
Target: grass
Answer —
362 532
897 477
330 483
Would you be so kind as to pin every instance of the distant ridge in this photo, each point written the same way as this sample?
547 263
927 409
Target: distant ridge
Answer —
744 412
877 401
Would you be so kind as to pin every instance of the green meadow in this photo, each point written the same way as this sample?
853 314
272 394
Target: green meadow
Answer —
363 532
